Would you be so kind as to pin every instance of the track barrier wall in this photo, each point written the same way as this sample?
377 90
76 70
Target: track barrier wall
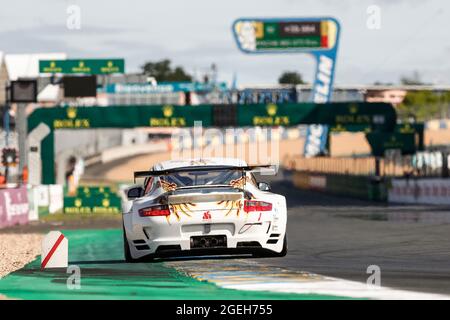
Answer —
420 191
361 187
418 179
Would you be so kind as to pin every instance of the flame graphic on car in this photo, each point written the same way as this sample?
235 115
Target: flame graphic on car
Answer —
238 183
186 209
180 209
168 186
231 206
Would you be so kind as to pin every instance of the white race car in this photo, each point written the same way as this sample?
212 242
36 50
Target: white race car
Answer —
203 207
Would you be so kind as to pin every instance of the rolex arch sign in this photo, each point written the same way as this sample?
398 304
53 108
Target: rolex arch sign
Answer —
365 116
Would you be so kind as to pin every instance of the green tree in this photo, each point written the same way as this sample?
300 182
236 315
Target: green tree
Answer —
414 79
162 71
291 77
424 105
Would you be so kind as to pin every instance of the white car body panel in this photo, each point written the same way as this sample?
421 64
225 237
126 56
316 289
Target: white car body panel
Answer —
204 212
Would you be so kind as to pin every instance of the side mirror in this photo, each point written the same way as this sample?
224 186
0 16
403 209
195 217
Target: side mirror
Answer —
263 186
135 192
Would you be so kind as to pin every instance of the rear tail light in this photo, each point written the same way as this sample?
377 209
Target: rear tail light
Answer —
155 211
252 205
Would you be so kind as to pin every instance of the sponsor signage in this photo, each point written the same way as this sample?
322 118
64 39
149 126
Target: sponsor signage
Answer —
382 141
13 206
93 200
144 88
381 116
316 36
91 205
82 66
122 116
281 35
271 117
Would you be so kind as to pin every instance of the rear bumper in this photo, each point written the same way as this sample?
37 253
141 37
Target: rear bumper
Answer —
157 237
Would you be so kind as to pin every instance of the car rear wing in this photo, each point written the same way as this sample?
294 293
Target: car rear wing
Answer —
166 172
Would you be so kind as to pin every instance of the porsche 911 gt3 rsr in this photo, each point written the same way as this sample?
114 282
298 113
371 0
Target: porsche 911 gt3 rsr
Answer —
203 207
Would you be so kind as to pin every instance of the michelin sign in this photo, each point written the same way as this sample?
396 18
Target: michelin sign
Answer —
316 36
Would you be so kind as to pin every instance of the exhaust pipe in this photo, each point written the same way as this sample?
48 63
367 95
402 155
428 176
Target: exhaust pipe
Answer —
208 242
204 243
214 242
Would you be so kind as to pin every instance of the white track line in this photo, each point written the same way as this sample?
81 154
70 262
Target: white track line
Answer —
254 276
336 287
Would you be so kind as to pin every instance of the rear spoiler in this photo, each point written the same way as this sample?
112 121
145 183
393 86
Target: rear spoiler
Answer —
155 173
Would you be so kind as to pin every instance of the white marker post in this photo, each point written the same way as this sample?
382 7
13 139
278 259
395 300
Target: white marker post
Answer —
55 251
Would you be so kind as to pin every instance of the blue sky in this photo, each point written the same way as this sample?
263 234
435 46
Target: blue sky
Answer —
414 35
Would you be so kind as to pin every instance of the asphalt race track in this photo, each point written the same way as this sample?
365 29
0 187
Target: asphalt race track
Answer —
341 237
328 237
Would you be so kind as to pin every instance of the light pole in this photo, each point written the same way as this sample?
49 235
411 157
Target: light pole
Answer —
22 92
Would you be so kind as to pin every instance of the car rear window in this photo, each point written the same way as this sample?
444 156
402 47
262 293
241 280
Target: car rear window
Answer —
199 178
